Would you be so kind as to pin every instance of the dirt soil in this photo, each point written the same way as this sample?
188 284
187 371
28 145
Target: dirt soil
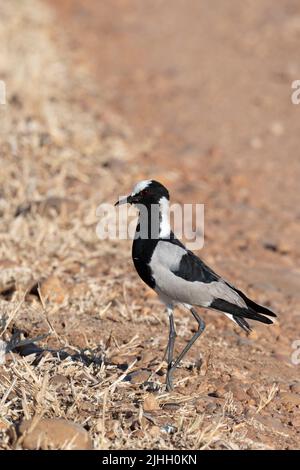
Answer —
99 96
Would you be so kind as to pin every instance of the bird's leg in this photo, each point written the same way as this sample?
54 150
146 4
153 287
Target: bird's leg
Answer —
201 327
170 348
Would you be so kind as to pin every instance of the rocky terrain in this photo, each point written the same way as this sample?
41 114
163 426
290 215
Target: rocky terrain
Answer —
99 96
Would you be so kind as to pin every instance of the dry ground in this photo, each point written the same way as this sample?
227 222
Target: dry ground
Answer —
103 95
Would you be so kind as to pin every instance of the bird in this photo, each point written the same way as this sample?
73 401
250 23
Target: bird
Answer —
179 276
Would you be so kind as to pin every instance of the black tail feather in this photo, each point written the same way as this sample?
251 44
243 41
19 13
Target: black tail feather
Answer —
240 312
253 305
243 324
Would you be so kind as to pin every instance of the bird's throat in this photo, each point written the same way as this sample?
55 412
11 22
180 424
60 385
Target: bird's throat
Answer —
154 220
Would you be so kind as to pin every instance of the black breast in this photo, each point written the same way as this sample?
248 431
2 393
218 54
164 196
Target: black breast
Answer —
142 251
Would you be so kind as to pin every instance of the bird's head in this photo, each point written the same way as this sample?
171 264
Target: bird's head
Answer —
146 192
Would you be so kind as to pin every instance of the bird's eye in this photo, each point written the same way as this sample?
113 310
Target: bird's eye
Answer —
145 192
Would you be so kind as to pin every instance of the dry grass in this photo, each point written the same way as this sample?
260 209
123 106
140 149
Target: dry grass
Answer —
112 411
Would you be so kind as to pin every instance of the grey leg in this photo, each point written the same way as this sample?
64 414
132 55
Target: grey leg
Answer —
171 369
172 336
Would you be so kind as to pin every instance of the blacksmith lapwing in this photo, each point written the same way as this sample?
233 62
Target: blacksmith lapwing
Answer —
177 275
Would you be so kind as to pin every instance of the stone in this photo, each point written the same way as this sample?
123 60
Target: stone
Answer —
256 143
291 398
59 381
154 431
53 290
295 388
150 403
140 377
277 128
296 421
236 389
55 433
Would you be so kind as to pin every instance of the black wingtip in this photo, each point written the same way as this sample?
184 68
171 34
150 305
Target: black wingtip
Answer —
263 319
254 306
240 312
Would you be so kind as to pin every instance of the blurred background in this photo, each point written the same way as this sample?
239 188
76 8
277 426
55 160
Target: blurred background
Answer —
206 90
195 94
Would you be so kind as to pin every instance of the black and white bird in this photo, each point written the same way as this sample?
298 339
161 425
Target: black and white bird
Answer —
177 275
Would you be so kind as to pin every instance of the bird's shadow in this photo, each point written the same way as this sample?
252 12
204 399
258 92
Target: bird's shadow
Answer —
28 346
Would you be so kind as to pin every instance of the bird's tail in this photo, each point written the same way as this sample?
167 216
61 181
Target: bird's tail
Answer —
252 311
242 312
254 306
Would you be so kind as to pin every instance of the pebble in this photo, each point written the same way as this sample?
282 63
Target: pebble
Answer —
277 128
150 403
140 377
291 398
295 388
53 290
171 406
237 391
256 143
148 357
54 433
154 431
59 381
169 429
296 421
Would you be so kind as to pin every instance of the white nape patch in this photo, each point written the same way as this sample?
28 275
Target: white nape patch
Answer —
164 225
140 186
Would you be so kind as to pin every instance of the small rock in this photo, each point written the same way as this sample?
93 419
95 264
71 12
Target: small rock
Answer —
59 381
277 128
253 394
121 359
295 388
53 290
237 391
291 398
3 426
154 431
296 421
286 246
251 435
140 377
171 406
150 403
169 429
256 143
53 433
271 423
148 357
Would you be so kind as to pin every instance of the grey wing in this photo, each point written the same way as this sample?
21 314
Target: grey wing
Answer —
183 277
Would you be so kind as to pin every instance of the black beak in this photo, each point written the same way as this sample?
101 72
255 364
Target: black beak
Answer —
125 200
